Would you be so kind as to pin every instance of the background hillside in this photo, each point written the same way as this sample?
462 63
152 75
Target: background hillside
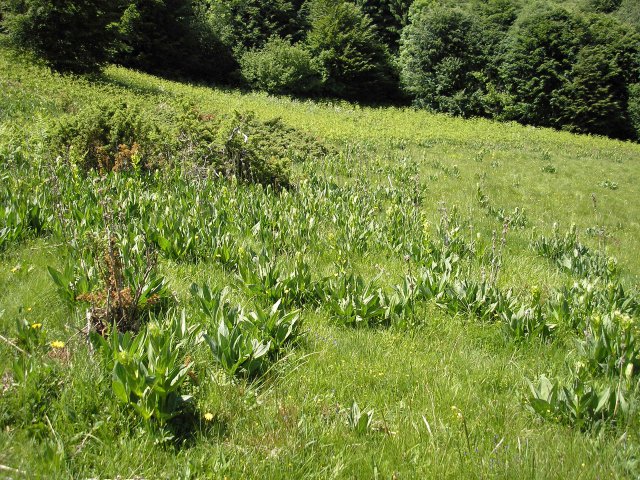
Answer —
570 65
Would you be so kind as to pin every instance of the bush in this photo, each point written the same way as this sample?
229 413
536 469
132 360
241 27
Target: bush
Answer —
248 155
108 137
119 137
280 68
441 60
71 36
603 6
352 59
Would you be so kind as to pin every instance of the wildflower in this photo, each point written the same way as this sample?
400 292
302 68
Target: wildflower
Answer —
36 326
535 292
208 416
154 329
15 269
457 413
29 309
57 344
123 357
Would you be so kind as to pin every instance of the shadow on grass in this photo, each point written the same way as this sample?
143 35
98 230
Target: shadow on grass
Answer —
192 425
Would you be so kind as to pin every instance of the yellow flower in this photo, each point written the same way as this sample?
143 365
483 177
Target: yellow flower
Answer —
208 416
457 413
29 309
15 269
36 326
57 344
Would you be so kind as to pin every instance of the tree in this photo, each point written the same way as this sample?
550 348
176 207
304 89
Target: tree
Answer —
595 99
568 71
389 17
351 57
634 108
71 36
539 54
249 24
172 36
441 60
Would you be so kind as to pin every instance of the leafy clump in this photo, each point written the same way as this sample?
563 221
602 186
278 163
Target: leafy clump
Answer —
280 67
579 403
126 137
149 369
109 137
571 255
245 343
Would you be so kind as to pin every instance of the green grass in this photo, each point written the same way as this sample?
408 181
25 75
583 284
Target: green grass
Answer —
293 423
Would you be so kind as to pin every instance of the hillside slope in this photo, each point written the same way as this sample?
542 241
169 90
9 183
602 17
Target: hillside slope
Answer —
399 195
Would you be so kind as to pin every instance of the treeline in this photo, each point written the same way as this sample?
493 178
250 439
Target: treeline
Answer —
545 63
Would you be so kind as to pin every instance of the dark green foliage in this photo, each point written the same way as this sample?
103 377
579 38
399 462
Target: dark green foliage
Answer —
634 107
593 102
108 136
389 17
172 36
71 36
603 6
540 52
441 60
352 59
629 12
566 71
280 67
500 14
247 24
247 152
596 98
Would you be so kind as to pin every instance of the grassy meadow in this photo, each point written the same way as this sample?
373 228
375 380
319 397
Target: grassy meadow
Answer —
413 286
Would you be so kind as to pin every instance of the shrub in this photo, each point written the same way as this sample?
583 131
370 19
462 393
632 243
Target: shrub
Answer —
603 6
108 137
280 67
247 153
351 58
71 36
440 60
126 137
